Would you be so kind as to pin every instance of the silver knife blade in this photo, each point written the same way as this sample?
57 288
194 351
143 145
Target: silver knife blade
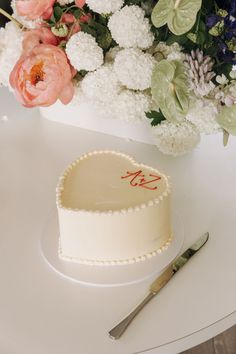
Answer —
184 258
158 284
178 264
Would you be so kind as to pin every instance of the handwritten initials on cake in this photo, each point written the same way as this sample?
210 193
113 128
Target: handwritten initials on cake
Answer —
138 179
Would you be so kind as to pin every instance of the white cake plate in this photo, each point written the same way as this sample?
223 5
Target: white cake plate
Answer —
108 276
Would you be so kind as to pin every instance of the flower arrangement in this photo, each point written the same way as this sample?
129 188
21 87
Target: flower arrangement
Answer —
169 61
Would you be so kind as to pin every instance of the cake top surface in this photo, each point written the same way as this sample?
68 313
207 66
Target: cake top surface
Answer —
109 181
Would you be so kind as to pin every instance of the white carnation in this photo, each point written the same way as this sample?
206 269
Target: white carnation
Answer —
101 85
134 68
10 50
105 6
130 28
128 106
175 139
83 52
203 115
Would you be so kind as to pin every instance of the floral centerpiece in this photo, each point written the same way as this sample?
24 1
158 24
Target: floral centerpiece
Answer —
169 61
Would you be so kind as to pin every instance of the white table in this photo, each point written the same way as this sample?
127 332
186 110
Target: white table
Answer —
43 313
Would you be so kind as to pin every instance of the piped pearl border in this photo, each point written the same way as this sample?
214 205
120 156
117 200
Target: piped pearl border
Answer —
133 260
151 202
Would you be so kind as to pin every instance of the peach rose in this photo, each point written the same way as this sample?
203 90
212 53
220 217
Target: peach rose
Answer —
42 76
80 3
33 9
37 36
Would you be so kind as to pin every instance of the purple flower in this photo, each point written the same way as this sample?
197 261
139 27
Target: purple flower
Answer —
227 56
230 32
229 5
212 20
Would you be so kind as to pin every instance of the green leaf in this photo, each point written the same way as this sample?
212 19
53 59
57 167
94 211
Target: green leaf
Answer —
57 12
133 2
100 32
86 28
77 13
157 117
223 68
179 15
104 40
172 38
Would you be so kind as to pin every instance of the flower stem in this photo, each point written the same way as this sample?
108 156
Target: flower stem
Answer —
16 22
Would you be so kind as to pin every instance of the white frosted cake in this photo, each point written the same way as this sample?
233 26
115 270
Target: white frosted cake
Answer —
112 210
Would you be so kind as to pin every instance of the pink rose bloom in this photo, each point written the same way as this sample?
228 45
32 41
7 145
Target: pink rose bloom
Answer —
33 9
43 76
37 36
80 3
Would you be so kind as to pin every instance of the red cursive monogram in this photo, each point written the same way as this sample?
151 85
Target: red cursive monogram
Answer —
138 179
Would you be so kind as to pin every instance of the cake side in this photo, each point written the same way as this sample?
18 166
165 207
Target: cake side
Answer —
122 217
115 237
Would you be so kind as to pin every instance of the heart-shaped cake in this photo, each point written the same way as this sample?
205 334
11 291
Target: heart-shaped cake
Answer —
112 210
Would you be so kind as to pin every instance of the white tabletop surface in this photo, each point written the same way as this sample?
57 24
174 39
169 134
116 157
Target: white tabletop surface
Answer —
43 313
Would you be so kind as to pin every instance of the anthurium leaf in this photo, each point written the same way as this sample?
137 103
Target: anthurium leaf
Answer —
181 87
179 15
184 16
227 119
161 12
162 76
169 89
182 97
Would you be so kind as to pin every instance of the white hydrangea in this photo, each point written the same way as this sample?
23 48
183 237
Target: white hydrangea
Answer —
134 68
175 139
105 6
83 52
30 24
130 28
101 85
202 114
79 96
129 106
10 50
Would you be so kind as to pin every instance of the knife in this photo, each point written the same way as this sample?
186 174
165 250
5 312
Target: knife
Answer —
158 284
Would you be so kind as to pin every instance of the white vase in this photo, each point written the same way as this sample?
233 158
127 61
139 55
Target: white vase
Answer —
86 117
